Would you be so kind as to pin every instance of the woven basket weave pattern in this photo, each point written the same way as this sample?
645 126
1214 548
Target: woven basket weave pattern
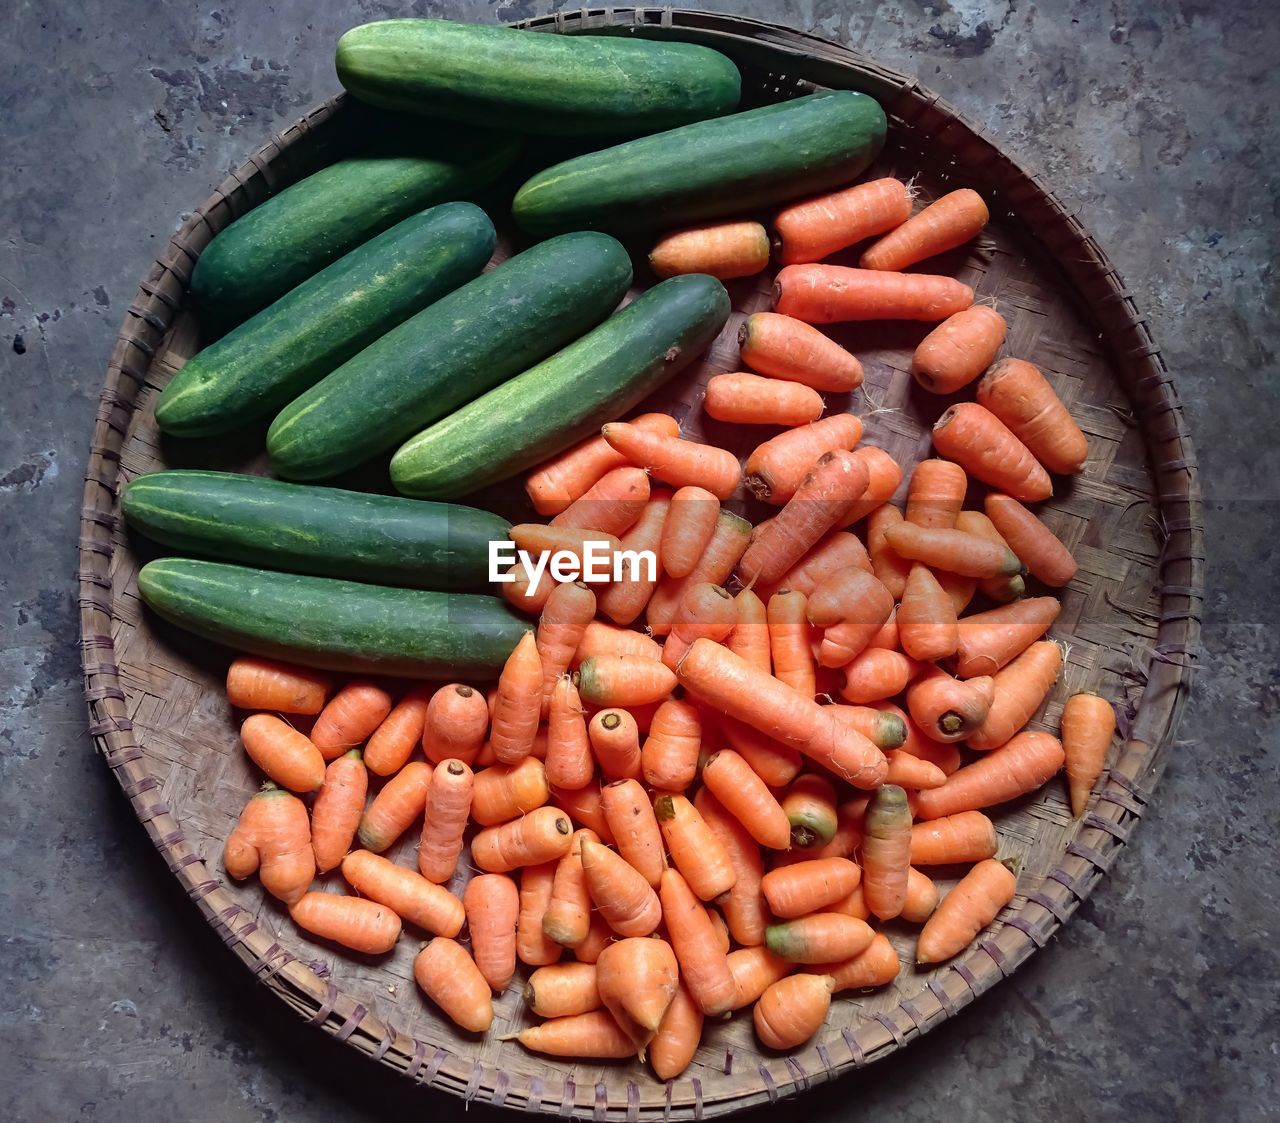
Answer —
1130 618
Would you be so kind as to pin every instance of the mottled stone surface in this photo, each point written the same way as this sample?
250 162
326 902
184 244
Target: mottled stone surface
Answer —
1157 119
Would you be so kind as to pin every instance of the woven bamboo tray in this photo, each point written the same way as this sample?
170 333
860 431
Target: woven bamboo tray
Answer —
1130 619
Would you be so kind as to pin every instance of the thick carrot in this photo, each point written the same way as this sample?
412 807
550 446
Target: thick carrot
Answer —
585 808
876 674
943 225
936 494
831 294
337 809
353 922
1020 396
951 550
810 807
949 709
639 839
673 1046
876 966
724 249
285 755
922 898
349 717
504 791
754 970
637 980
743 905
395 807
1037 547
909 771
966 911
886 852
1088 723
450 978
778 466
1017 767
968 836
776 764
690 522
819 937
789 648
594 1034
624 680
835 481
728 542
705 610
569 764
890 569
265 684
533 946
492 904
272 838
444 820
676 461
569 475
610 506
927 625
853 606
519 703
565 616
393 742
989 640
815 228
750 636
568 914
958 349
695 849
804 887
454 725
751 399
1002 590
784 347
1020 688
703 966
834 553
599 638
520 592
746 796
669 760
562 990
615 740
625 599
984 447
619 891
420 902
792 1010
538 837
599 937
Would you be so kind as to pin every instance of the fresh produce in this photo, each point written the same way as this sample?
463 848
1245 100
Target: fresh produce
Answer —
791 1010
979 442
263 684
1019 766
748 399
444 818
567 919
492 904
724 250
1020 396
1019 688
936 494
790 648
460 347
273 839
393 810
322 531
966 910
451 979
815 228
958 349
569 763
829 294
557 84
886 852
669 760
675 461
1035 544
426 906
336 813
518 704
743 162
943 225
1088 723
454 726
788 348
285 755
350 717
393 742
620 893
262 365
361 925
777 468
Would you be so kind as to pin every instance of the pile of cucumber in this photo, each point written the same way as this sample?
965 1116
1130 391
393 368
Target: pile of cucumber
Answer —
359 321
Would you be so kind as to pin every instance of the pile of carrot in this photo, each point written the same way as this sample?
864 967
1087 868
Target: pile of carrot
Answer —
700 791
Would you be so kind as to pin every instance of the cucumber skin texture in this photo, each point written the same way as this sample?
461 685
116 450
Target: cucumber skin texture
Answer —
293 235
334 625
535 83
744 162
568 396
267 361
322 531
457 349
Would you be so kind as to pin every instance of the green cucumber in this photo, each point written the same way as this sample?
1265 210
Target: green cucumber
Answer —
550 84
267 361
730 165
293 235
568 396
463 345
323 531
334 625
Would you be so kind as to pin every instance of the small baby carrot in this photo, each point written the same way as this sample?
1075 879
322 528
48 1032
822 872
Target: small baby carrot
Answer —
876 674
635 829
778 466
968 836
519 703
886 852
454 725
395 807
789 348
428 906
615 740
958 349
1088 723
943 225
743 905
502 792
492 904
816 228
568 914
669 759
966 911
623 680
723 249
751 399
981 444
1019 690
745 796
619 892
676 461
704 968
792 1010
393 742
810 886
1017 767
594 1034
533 946
565 616
569 763
949 709
444 819
285 755
335 815
361 925
818 938
810 807
562 989
830 294
451 979
691 520
282 688
1037 547
876 965
1020 396
989 640
672 1048
789 648
538 837
695 849
349 717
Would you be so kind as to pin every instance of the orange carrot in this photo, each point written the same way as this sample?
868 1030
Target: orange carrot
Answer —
854 905
1088 723
943 225
599 937
444 819
949 709
703 966
936 494
848 834
450 978
562 990
1020 396
353 922
836 480
568 914
1017 767
393 742
594 1034
623 680
887 637
630 816
492 904
690 522
922 898
518 706
810 807
454 725
743 905
745 796
284 754
565 616
669 759
673 1046
504 791
539 836
815 228
958 349
624 600
989 640
853 606
777 468
727 544
585 808
273 839
951 550
1020 688
599 638
610 506
980 443
337 809
751 399
910 771
541 538
264 684
875 674
804 887
834 553
830 294
569 764
569 475
890 569
754 970
792 1010
695 849
927 624
724 249
750 636
349 717
784 347
705 610
395 807
637 980
883 729
430 907
776 764
1035 544
886 852
819 937
519 591
619 892
876 966
615 740
789 647
533 946
676 461
968 836
966 911
1002 590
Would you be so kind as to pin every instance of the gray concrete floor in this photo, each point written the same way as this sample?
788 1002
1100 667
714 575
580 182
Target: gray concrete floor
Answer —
1158 1002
